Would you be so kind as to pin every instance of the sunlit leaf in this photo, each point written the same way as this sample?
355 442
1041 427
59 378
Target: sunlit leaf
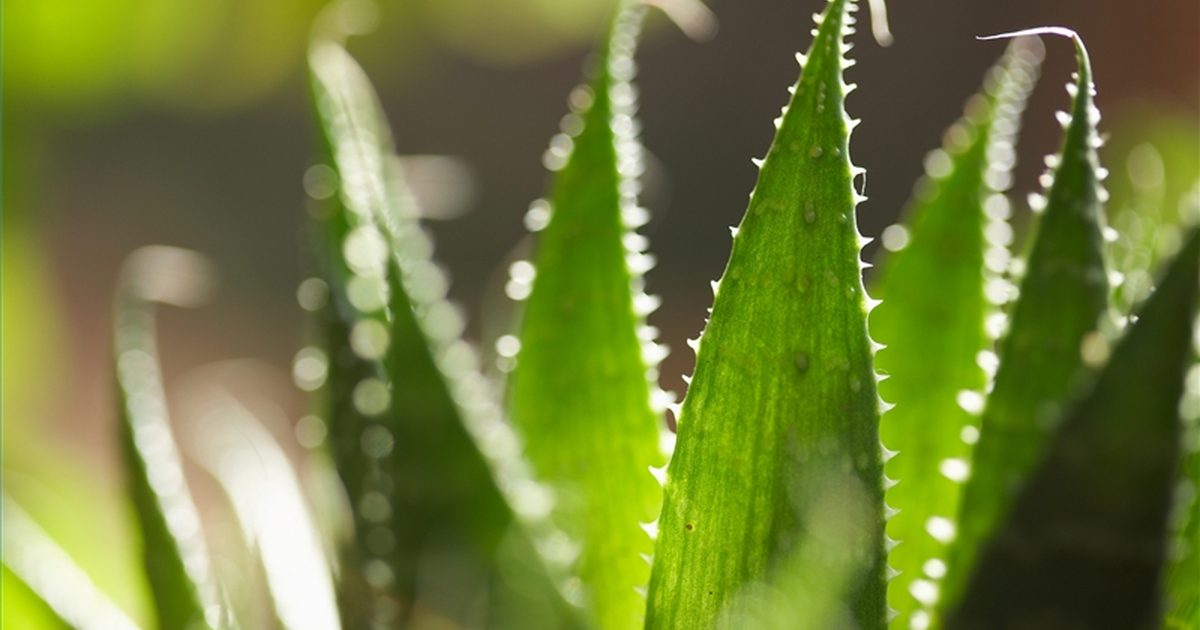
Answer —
784 373
939 282
1053 330
581 397
1085 541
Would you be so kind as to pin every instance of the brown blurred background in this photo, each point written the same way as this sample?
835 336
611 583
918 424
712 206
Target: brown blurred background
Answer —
131 122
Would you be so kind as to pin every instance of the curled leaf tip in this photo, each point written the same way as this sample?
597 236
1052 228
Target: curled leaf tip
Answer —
169 275
879 23
1059 31
693 17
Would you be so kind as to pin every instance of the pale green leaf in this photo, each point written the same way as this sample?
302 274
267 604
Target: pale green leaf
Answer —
580 393
937 285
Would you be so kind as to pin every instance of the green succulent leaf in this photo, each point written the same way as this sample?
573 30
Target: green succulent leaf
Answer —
174 552
1063 295
1084 544
43 587
581 391
429 466
784 383
934 290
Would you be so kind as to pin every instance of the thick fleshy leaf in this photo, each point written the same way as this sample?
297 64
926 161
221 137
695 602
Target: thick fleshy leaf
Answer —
430 468
1052 331
1084 544
580 394
173 548
784 381
939 283
43 587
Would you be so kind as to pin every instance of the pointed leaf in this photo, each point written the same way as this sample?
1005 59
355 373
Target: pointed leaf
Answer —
934 289
173 547
581 396
417 437
1062 297
1085 541
784 373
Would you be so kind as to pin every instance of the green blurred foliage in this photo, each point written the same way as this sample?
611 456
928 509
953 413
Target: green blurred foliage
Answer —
83 58
1154 158
23 608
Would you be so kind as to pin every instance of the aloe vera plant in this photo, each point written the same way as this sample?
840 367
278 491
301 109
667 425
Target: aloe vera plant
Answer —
1032 451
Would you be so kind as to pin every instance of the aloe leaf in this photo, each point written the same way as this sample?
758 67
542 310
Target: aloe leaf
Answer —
174 552
1084 544
228 440
49 587
429 466
1063 294
939 282
581 390
784 372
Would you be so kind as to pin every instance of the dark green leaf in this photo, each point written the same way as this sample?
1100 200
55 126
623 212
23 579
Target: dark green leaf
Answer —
1085 541
1062 296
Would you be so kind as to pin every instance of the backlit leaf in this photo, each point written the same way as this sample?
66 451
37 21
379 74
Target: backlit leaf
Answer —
784 382
1063 294
939 282
581 390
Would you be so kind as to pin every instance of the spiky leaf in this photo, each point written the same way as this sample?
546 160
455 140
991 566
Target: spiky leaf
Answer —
174 552
933 288
417 438
1085 541
580 393
784 381
1062 296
